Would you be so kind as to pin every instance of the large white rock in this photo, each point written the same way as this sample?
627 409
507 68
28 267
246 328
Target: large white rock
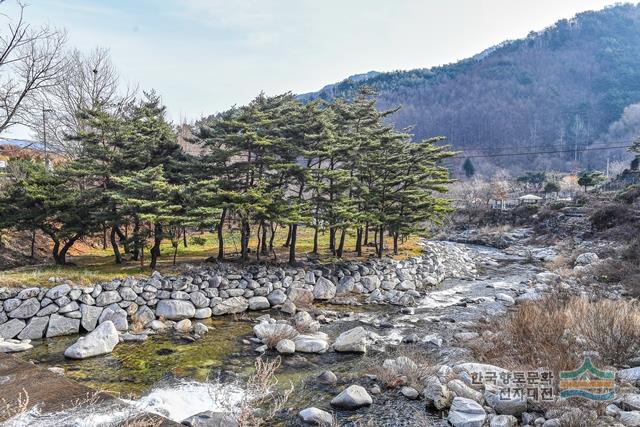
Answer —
466 413
503 421
229 306
324 289
354 340
316 417
101 340
172 309
353 397
310 344
14 347
27 309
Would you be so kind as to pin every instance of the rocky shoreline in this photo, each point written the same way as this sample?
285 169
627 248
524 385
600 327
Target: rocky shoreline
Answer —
134 304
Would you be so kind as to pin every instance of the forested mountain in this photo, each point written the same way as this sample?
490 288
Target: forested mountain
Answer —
556 89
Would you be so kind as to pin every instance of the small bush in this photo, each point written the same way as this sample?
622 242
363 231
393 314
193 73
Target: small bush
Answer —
279 333
610 215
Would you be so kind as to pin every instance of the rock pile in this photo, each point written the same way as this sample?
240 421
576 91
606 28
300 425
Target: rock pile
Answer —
34 313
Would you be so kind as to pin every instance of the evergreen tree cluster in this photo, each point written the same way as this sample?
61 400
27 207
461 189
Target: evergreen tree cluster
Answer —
276 162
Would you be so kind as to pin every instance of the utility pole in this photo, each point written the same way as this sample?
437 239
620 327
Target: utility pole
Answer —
44 138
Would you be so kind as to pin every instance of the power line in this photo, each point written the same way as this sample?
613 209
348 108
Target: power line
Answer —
543 146
540 152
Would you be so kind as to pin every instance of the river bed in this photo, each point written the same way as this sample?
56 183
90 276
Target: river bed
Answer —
175 378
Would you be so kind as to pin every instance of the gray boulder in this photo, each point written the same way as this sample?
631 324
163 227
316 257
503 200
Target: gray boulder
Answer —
116 315
354 340
35 329
311 344
324 289
58 291
11 328
506 405
503 421
90 316
316 417
211 419
587 258
60 325
353 397
175 309
27 309
230 306
108 298
277 297
258 303
466 413
144 315
102 340
286 346
300 297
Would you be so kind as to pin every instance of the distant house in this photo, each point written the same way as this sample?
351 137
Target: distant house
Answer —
530 199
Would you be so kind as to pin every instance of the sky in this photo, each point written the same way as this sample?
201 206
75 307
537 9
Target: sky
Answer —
203 56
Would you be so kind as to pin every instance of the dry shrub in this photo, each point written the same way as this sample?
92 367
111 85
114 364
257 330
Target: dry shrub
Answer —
12 408
554 332
560 263
415 368
136 325
279 333
265 401
612 328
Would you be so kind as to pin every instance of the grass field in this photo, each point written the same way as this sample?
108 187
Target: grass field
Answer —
94 265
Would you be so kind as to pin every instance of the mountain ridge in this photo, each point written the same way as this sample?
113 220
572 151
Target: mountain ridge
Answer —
564 86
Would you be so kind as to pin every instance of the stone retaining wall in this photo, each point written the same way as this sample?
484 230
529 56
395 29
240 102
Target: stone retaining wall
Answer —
202 292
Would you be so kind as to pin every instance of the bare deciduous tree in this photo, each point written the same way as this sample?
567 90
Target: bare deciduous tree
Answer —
31 61
90 81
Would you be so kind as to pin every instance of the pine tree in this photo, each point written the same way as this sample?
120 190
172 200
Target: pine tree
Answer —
469 168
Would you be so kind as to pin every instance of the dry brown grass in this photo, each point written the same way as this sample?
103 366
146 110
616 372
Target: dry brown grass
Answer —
265 401
554 332
14 407
417 367
279 332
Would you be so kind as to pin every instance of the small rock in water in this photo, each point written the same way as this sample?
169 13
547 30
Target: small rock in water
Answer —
14 347
316 417
183 326
200 328
327 377
211 419
375 389
286 346
261 349
56 370
353 397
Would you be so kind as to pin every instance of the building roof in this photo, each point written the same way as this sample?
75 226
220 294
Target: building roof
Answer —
529 197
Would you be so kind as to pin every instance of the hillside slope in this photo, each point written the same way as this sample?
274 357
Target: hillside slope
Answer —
555 89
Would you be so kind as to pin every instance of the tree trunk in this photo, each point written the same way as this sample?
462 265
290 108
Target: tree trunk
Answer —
292 246
55 251
381 242
260 240
395 243
124 240
332 240
175 252
340 249
245 232
114 245
288 241
315 241
273 236
264 250
220 228
104 236
33 243
138 245
366 234
359 241
155 250
184 237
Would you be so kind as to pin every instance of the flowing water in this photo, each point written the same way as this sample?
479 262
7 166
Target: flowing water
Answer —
175 378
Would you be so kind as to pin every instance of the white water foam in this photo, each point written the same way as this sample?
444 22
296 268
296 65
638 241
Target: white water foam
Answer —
176 401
